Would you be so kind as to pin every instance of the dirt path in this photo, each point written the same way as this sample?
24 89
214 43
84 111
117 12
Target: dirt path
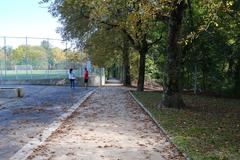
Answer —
108 126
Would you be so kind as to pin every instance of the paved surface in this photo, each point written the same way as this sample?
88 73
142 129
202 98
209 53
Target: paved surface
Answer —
21 119
107 126
113 81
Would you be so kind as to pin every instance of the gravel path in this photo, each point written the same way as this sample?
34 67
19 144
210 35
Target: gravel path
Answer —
107 126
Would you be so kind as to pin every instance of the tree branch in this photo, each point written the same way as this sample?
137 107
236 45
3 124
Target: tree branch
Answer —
155 42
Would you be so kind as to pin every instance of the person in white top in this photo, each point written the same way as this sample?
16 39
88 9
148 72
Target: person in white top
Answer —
72 77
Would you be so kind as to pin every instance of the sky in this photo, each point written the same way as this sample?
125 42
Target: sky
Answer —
26 18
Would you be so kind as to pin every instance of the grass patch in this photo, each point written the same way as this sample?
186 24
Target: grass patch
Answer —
208 129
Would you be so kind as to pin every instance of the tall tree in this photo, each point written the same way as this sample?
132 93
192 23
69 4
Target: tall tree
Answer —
35 55
126 61
101 52
212 45
135 19
173 87
59 57
48 49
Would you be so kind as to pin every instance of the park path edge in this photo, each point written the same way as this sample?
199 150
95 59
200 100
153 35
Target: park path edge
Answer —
28 148
158 125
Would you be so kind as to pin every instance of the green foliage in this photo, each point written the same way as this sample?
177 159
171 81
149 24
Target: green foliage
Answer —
134 61
58 57
151 69
37 56
48 49
211 54
101 52
34 55
210 37
5 54
136 19
75 59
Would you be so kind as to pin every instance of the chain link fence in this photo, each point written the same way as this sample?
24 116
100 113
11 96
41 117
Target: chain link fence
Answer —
33 58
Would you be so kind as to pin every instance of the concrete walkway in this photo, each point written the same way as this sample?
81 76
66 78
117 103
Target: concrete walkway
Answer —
107 126
113 82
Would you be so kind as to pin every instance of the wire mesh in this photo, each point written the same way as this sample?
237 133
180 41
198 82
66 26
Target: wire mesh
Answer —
24 58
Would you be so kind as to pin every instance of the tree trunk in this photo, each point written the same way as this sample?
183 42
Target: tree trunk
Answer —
237 79
141 74
173 88
114 71
190 12
126 64
204 81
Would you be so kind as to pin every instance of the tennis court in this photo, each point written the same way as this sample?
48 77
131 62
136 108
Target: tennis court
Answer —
33 74
43 74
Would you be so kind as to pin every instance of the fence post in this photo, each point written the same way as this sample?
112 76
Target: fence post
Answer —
100 77
49 59
1 78
16 72
5 56
26 56
66 49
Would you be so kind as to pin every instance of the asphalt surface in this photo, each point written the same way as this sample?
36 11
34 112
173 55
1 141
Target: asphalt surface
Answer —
21 119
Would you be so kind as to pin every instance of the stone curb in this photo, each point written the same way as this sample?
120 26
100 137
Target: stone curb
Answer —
158 125
11 92
27 149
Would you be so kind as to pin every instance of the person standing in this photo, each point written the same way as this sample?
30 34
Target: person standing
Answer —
86 78
72 77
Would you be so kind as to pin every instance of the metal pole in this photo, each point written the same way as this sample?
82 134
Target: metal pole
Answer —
100 77
1 72
48 59
5 56
30 67
26 56
66 59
